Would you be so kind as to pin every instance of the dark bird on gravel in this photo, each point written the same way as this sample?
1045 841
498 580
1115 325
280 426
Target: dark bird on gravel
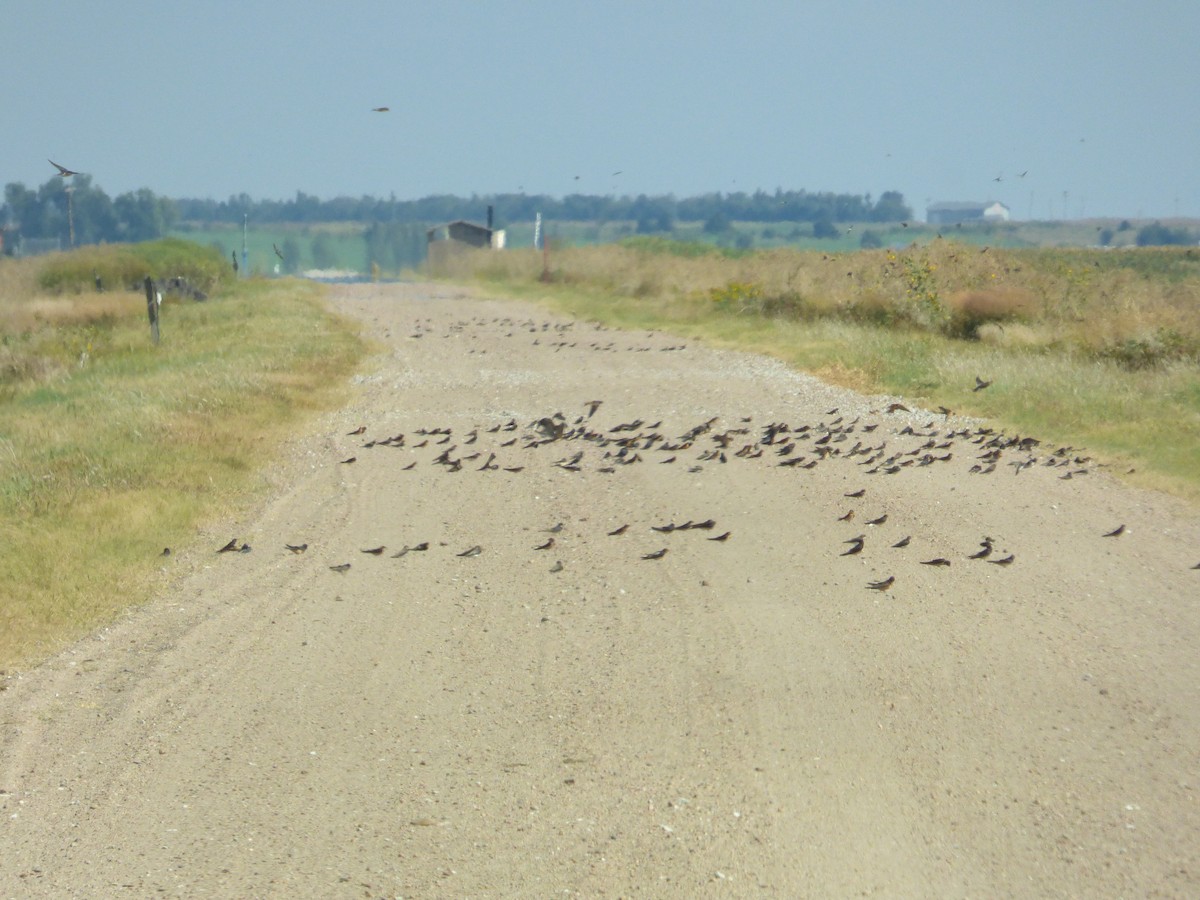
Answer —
664 529
296 548
278 252
63 171
361 429
903 542
557 567
847 517
980 384
882 585
1007 561
1196 566
349 460
471 551
878 521
374 551
658 554
554 529
897 407
721 538
940 561
546 546
341 567
856 545
166 551
231 547
1116 532
513 468
619 531
856 494
985 550
706 525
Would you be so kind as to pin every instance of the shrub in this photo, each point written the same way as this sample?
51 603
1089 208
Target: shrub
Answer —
969 310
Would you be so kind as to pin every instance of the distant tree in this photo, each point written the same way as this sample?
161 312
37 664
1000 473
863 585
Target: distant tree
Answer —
1124 226
870 240
324 255
1158 234
291 255
891 208
717 223
1106 237
824 228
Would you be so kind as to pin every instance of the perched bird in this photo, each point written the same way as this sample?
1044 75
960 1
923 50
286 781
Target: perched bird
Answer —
341 567
856 494
230 547
664 529
296 548
557 567
658 554
63 171
546 546
471 551
985 550
374 551
1116 532
882 585
856 545
721 538
940 561
1007 561
878 521
619 531
556 529
847 517
351 459
980 384
903 542
166 551
361 429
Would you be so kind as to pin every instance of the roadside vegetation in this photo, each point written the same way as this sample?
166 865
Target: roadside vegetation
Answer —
1095 348
112 448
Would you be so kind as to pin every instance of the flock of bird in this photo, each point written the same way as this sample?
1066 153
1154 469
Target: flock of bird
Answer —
882 443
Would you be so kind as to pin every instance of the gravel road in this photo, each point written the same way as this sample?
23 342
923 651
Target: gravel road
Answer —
521 695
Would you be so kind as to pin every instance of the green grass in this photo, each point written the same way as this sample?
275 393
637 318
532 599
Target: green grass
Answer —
124 448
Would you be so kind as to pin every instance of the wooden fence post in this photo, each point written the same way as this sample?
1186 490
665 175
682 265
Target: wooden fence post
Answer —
152 308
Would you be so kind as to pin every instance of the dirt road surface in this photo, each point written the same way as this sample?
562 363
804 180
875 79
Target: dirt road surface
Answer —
735 718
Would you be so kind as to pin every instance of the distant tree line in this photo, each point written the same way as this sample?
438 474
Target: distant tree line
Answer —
651 213
49 212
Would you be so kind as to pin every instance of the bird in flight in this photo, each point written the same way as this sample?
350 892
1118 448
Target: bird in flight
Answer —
381 109
63 171
980 384
278 252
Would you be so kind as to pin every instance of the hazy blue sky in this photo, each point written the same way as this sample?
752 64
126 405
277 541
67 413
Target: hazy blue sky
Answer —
1096 101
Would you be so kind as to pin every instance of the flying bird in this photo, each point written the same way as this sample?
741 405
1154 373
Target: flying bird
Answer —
381 109
980 384
882 585
63 171
278 252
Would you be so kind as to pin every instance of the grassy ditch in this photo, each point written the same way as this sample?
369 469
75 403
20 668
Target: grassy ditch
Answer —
1098 349
112 449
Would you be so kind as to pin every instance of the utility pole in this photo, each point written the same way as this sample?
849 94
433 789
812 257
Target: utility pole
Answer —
245 219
